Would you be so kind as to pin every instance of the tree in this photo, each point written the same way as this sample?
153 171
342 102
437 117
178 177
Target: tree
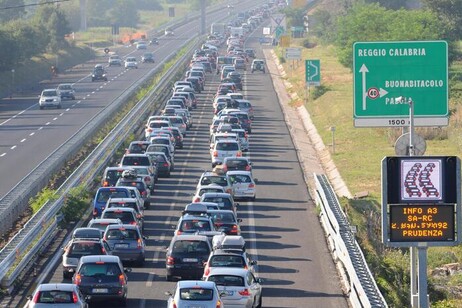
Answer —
9 53
52 21
7 12
372 22
124 13
148 5
450 12
27 37
294 17
390 4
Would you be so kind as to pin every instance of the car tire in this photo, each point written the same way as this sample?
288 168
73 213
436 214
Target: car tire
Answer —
253 198
168 278
167 175
140 262
66 275
146 204
59 106
41 107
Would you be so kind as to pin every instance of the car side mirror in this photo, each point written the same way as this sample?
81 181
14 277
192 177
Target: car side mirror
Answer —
29 297
236 204
87 298
259 280
127 269
255 180
168 293
239 220
253 262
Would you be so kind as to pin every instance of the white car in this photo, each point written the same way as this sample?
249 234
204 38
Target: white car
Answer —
224 148
131 62
169 32
243 184
50 98
195 293
206 189
240 286
66 90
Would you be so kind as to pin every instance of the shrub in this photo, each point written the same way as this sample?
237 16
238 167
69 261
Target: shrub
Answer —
75 204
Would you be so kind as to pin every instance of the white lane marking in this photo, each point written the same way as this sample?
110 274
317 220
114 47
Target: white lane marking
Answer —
23 140
61 114
69 108
21 112
31 134
155 258
47 123
54 119
93 92
3 154
40 128
13 147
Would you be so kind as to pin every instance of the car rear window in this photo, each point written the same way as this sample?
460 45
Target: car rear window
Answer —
131 205
138 184
138 147
161 141
238 163
242 116
227 280
158 124
210 190
227 261
222 202
80 249
100 270
196 294
55 297
219 180
122 234
184 246
227 146
240 178
136 161
104 195
195 225
223 217
125 217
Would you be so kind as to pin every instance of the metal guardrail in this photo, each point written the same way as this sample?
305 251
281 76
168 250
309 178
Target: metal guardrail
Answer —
363 290
22 248
16 201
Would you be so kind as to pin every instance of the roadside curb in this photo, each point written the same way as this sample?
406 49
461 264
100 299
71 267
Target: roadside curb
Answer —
322 152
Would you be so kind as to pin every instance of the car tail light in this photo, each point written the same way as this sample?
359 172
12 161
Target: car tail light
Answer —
122 280
229 191
170 260
215 154
251 185
197 200
239 154
218 304
95 212
174 305
149 130
78 279
105 184
178 232
247 168
143 193
244 292
234 230
206 269
138 216
138 244
36 297
183 125
75 298
165 164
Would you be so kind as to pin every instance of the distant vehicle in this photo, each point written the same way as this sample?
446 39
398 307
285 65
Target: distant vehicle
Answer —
169 32
131 62
148 57
194 293
258 65
154 41
66 90
50 98
98 73
115 60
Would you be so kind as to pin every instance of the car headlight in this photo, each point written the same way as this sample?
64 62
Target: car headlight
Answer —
55 99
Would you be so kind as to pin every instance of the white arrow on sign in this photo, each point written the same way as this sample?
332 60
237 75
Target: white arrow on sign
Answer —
383 92
315 70
364 70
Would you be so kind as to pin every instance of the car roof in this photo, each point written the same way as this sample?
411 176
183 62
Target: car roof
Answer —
119 209
213 194
235 271
125 226
240 172
122 200
196 283
190 237
134 155
56 286
100 258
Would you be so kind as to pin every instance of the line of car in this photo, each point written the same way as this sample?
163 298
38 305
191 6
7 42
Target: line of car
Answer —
209 228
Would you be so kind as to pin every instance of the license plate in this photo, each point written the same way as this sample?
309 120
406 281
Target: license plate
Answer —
100 290
190 260
121 246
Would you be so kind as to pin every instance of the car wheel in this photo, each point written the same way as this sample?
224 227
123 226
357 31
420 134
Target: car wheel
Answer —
59 106
167 175
253 198
140 262
66 275
168 277
147 204
41 107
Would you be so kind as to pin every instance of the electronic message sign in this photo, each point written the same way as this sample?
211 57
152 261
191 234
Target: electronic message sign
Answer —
422 223
421 200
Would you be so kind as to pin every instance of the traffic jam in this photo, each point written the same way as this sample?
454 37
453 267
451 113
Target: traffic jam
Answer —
207 255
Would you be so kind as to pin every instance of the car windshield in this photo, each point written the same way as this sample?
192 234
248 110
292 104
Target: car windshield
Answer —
121 234
227 280
55 297
226 261
65 87
50 93
100 270
80 249
192 246
104 195
196 294
125 217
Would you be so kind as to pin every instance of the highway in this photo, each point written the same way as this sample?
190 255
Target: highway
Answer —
281 227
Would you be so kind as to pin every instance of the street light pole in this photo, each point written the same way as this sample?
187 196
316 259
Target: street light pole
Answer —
12 83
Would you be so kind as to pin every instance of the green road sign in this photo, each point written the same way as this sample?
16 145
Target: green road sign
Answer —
313 72
385 71
279 31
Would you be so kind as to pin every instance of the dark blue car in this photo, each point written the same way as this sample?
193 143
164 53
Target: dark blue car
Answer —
103 194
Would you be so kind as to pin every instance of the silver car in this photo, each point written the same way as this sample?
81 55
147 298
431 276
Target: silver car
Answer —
57 295
195 293
239 286
224 148
126 242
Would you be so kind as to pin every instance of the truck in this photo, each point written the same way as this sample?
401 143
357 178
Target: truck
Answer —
218 28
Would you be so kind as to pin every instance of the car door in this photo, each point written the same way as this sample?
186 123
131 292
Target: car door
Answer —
254 286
